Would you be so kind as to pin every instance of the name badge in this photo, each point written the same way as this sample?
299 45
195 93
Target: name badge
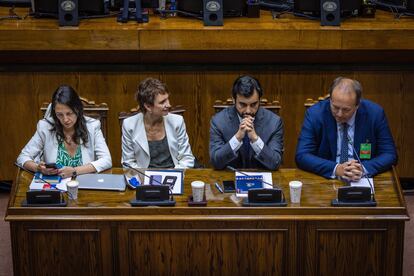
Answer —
365 151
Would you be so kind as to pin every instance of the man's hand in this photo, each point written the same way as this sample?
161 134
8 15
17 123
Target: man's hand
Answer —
350 170
251 132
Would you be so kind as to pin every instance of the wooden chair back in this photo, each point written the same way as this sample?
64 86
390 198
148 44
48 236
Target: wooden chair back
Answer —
309 101
273 106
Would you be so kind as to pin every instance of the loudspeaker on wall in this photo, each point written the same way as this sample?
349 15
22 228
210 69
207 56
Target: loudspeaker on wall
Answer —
213 12
68 13
330 13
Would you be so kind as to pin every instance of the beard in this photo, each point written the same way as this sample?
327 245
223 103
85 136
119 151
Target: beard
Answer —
245 114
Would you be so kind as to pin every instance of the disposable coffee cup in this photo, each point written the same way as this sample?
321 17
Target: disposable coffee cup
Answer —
198 190
72 187
295 191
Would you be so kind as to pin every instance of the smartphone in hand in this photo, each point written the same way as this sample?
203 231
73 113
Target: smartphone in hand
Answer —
51 166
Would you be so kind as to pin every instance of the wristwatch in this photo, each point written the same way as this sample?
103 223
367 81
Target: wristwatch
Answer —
74 174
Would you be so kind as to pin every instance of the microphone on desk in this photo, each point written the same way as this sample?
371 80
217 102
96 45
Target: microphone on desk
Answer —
42 198
273 197
363 170
352 196
151 195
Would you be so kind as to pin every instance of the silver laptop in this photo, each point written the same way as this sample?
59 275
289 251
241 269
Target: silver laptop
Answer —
100 181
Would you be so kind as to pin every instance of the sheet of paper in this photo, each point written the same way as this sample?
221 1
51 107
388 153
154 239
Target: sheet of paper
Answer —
363 182
175 176
267 177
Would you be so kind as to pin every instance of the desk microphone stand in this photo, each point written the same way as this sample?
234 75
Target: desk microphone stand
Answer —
139 16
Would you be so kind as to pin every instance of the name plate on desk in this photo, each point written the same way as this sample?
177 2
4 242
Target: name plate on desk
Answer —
355 196
48 198
264 198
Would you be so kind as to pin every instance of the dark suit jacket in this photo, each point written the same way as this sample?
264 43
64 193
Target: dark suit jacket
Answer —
317 144
226 123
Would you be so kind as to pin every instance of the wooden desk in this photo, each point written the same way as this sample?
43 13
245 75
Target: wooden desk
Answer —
101 234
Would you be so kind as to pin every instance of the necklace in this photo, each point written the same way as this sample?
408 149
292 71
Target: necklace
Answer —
68 140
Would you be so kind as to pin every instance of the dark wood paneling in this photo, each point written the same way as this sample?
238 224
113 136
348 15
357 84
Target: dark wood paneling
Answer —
337 249
62 249
211 248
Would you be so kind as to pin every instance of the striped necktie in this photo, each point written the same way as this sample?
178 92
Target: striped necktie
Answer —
344 145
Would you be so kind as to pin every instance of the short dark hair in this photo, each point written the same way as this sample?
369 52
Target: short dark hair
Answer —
147 90
66 95
245 86
355 85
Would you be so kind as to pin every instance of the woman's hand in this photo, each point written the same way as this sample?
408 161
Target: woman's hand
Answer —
41 167
66 172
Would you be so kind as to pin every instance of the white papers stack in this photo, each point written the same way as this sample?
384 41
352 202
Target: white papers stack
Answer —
363 182
267 177
37 184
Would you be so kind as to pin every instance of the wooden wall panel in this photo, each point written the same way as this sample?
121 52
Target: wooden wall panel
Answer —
72 249
208 248
329 248
22 93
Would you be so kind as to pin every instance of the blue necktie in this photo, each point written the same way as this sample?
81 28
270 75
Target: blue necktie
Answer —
246 149
344 145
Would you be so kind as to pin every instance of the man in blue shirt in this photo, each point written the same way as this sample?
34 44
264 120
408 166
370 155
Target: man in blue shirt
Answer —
338 128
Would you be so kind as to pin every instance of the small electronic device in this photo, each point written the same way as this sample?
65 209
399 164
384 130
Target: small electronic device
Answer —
133 182
228 186
169 180
51 165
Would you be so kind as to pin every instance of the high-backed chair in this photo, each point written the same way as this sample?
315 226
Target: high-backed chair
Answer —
91 109
178 109
309 101
273 106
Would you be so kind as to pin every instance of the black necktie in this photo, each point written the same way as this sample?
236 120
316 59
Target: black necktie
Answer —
344 145
246 149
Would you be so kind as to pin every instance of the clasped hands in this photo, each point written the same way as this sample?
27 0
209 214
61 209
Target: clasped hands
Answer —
351 170
247 126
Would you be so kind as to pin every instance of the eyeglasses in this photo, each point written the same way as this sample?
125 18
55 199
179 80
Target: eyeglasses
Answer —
67 114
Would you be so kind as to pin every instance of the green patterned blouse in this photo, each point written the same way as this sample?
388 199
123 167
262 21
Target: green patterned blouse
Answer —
64 159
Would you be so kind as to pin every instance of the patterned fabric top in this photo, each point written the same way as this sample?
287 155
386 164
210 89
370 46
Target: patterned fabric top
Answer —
160 154
64 158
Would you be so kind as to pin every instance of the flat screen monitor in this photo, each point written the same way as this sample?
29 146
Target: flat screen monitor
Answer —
348 7
231 8
86 7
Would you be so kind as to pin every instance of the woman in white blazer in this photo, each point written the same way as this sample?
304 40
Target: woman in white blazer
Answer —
155 138
66 137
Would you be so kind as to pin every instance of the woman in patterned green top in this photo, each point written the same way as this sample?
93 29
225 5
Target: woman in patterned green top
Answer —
68 138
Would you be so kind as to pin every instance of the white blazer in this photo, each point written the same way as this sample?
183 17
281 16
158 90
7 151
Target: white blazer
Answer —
44 143
135 149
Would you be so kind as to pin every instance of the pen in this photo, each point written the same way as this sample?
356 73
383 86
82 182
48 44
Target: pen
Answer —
218 187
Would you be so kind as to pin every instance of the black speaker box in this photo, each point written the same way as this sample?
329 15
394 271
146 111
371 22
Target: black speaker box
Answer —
231 8
213 12
330 13
68 12
410 5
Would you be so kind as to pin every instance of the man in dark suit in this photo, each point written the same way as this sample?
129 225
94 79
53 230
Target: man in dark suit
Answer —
333 126
246 135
